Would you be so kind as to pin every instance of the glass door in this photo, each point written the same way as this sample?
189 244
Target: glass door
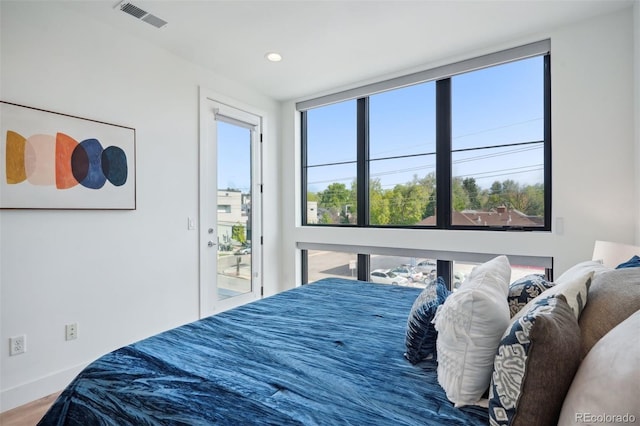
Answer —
230 206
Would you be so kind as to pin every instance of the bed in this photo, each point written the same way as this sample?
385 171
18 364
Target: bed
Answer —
328 353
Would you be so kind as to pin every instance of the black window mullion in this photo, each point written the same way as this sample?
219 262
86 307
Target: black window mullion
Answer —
362 180
547 142
363 267
443 154
445 270
363 162
304 264
303 177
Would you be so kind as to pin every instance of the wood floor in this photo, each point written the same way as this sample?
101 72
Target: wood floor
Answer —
28 414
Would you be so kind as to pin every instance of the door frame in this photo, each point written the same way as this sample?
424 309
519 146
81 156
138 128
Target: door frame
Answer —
211 101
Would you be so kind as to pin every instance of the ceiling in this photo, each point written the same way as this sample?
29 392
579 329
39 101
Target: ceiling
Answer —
330 45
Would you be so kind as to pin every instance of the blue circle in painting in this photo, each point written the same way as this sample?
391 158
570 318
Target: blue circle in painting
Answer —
95 178
114 165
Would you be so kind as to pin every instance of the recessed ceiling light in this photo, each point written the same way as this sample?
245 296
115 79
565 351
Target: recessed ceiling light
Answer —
273 57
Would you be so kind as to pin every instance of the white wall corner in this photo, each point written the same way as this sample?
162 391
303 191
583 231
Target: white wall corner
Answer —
636 73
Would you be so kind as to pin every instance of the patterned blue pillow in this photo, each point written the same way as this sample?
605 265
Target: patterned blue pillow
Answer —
534 366
634 262
421 335
524 290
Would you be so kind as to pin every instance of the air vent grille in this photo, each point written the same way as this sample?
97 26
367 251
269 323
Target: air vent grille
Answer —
132 10
141 14
154 20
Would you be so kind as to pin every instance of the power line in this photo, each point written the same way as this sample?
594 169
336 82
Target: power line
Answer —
432 166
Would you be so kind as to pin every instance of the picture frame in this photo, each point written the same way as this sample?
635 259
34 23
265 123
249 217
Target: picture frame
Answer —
51 160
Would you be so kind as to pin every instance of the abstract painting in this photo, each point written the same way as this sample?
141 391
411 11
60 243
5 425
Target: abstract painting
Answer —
52 160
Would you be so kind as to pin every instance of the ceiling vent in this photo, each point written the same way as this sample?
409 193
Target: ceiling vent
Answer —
141 14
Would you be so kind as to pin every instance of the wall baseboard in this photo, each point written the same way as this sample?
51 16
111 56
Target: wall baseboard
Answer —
28 392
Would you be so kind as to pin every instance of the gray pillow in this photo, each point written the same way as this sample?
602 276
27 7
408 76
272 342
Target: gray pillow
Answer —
535 364
614 295
606 387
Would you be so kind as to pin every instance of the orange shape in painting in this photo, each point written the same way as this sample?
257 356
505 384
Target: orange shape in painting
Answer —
39 160
64 149
14 160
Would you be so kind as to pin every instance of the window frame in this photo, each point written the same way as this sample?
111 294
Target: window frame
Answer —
444 152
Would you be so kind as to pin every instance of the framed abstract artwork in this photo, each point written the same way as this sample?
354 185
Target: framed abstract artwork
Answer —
52 160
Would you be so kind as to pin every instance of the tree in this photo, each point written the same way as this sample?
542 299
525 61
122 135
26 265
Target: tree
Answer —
336 195
337 204
379 204
460 197
325 218
407 203
238 234
473 193
494 198
535 195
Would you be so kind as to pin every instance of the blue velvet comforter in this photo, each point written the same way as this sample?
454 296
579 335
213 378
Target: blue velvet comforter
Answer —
329 353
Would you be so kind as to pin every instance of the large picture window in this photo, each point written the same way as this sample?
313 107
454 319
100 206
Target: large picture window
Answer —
464 150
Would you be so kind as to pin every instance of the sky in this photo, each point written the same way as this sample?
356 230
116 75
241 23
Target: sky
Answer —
494 106
234 157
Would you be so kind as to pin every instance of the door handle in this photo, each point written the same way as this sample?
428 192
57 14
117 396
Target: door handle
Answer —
211 244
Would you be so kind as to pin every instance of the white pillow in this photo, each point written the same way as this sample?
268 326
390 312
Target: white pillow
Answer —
470 324
606 386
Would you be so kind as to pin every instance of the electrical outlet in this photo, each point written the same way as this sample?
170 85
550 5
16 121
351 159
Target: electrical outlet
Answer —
17 345
71 331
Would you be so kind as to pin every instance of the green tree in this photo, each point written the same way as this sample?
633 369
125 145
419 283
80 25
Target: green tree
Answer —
238 234
430 208
473 193
429 184
325 218
535 195
494 198
460 197
336 195
379 205
407 203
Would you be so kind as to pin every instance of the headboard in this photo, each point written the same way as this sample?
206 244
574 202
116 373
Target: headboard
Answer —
612 254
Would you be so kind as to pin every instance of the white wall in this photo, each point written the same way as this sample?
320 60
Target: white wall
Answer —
636 73
594 179
121 275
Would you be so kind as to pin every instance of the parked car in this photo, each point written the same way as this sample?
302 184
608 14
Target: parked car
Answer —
408 272
458 279
426 266
385 276
244 250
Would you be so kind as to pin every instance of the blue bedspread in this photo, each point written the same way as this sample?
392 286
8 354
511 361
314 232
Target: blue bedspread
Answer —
329 353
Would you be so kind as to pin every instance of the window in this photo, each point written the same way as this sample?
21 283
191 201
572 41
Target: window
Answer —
331 264
468 149
405 267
